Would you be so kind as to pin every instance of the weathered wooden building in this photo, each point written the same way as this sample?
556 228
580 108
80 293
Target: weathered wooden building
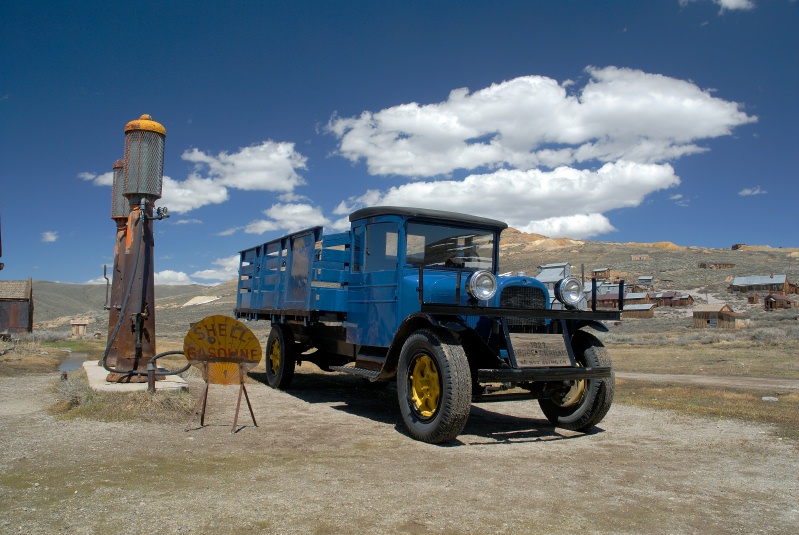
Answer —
776 301
639 257
604 288
671 298
716 265
79 326
718 316
16 307
601 273
636 298
644 283
638 311
773 284
607 300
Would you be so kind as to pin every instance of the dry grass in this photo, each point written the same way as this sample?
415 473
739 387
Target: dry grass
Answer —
735 358
93 348
16 363
739 355
28 357
715 402
44 355
76 399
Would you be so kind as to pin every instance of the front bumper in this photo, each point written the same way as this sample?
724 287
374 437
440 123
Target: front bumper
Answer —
533 375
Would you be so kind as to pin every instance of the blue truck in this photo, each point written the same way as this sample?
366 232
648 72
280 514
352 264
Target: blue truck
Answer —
413 295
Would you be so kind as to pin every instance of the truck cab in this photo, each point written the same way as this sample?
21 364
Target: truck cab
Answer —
413 296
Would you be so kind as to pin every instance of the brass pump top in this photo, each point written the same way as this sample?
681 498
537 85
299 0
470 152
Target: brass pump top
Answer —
145 122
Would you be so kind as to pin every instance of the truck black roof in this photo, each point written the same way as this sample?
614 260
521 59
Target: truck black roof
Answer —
425 213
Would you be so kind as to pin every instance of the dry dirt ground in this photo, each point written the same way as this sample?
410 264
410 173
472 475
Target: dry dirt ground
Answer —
331 456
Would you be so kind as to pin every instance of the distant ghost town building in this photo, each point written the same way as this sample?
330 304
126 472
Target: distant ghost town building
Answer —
763 284
16 307
718 316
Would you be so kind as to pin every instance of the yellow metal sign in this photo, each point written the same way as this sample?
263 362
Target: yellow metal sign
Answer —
223 348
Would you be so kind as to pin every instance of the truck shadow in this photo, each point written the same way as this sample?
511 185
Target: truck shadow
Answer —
358 397
487 427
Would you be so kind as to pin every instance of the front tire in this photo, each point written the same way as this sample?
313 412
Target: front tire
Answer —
281 356
587 401
434 386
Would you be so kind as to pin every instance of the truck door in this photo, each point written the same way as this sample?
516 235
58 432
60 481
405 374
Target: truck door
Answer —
372 296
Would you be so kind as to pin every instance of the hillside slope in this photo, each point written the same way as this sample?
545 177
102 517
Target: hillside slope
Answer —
674 267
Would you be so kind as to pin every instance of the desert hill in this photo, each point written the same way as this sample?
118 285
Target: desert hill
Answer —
674 267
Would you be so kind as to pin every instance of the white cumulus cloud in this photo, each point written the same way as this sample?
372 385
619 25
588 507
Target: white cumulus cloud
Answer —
49 236
105 179
288 218
182 196
532 121
227 269
752 191
575 226
541 154
725 5
528 198
169 277
266 166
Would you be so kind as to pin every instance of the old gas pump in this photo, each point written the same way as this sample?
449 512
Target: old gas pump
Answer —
132 337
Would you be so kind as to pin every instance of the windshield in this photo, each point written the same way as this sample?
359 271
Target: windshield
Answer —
439 245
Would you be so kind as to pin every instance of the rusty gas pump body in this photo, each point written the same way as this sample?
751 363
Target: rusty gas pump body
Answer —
120 210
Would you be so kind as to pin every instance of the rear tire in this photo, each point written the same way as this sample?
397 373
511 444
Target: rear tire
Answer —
281 356
434 386
589 400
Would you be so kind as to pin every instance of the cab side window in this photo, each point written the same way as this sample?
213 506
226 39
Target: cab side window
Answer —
381 247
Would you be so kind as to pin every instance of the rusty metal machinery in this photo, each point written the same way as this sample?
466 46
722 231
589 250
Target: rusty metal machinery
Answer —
131 342
120 210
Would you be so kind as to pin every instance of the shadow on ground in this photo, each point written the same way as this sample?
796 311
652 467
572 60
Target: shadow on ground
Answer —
378 402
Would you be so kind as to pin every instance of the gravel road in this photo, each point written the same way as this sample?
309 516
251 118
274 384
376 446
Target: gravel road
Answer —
746 383
331 456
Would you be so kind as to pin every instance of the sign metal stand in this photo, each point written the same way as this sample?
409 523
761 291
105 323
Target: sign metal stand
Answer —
224 350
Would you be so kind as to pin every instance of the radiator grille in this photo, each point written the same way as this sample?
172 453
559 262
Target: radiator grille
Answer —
523 297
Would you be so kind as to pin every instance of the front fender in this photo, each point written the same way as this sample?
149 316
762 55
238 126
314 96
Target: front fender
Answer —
411 324
596 325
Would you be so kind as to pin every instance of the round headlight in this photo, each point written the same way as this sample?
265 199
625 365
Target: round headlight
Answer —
482 285
569 291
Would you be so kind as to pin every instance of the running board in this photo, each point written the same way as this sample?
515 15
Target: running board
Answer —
360 372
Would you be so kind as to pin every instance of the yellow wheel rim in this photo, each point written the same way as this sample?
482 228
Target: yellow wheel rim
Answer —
425 386
574 395
274 357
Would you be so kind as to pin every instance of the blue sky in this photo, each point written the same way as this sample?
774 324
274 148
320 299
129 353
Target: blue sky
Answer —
667 120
